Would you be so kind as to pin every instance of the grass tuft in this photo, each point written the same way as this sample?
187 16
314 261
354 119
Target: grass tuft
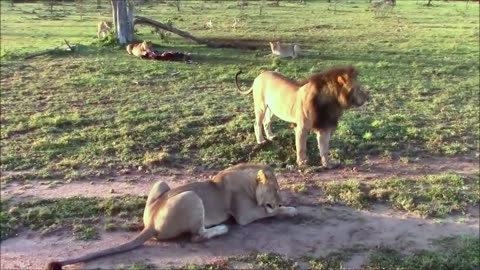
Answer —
429 196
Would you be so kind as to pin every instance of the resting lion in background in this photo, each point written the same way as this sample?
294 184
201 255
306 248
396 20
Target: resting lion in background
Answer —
314 104
140 49
285 50
247 192
103 28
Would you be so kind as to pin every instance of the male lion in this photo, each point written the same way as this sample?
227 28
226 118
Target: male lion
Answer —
247 192
103 28
315 104
140 49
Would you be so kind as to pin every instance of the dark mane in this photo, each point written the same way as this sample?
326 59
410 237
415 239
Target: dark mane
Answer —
329 75
327 109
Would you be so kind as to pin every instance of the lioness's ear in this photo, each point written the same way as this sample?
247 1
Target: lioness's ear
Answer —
261 177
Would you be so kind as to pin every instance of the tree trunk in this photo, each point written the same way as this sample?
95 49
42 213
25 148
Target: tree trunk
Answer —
114 16
122 22
186 35
123 25
429 3
131 14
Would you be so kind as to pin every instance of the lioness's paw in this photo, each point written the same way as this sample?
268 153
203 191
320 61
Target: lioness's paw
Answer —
221 229
290 211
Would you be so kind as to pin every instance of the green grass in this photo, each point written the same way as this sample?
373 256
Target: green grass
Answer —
454 253
100 111
77 214
137 266
430 196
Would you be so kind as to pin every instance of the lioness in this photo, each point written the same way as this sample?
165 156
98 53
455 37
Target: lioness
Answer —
103 28
140 49
285 50
247 192
315 104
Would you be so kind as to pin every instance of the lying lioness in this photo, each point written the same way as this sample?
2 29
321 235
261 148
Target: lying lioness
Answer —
103 28
246 192
314 104
140 49
285 50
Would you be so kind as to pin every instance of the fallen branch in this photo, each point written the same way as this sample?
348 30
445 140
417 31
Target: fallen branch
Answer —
188 36
68 45
30 56
69 49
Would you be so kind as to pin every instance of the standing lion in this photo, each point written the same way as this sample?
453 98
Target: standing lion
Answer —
314 104
103 28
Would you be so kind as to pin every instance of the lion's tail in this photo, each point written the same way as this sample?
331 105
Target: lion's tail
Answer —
238 86
146 234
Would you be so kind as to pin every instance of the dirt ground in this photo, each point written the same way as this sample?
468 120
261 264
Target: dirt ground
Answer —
319 229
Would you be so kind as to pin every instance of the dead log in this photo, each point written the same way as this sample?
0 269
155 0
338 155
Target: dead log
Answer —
213 44
69 49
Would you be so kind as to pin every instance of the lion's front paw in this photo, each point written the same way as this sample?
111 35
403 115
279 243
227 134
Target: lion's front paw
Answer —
302 162
270 138
261 142
329 166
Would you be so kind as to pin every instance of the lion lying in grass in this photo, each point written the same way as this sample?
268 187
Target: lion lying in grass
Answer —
314 104
246 192
140 49
285 50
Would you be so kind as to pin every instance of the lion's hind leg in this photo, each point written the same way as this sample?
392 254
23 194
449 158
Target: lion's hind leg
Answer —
267 122
157 190
259 116
185 213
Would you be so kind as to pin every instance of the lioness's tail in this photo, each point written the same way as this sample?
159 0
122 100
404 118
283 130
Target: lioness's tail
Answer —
137 241
238 86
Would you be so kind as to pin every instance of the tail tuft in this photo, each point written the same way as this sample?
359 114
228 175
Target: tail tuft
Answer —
54 266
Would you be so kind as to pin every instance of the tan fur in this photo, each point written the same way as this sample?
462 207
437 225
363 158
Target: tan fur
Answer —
314 104
285 50
103 28
247 192
140 49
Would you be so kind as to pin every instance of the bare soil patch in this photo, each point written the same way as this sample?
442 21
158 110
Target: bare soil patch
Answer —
317 231
140 183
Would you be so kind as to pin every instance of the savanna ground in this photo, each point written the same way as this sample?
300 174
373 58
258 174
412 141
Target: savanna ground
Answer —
85 135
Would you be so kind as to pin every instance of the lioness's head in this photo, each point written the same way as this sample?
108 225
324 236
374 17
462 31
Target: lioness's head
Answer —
274 45
147 46
353 93
267 191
